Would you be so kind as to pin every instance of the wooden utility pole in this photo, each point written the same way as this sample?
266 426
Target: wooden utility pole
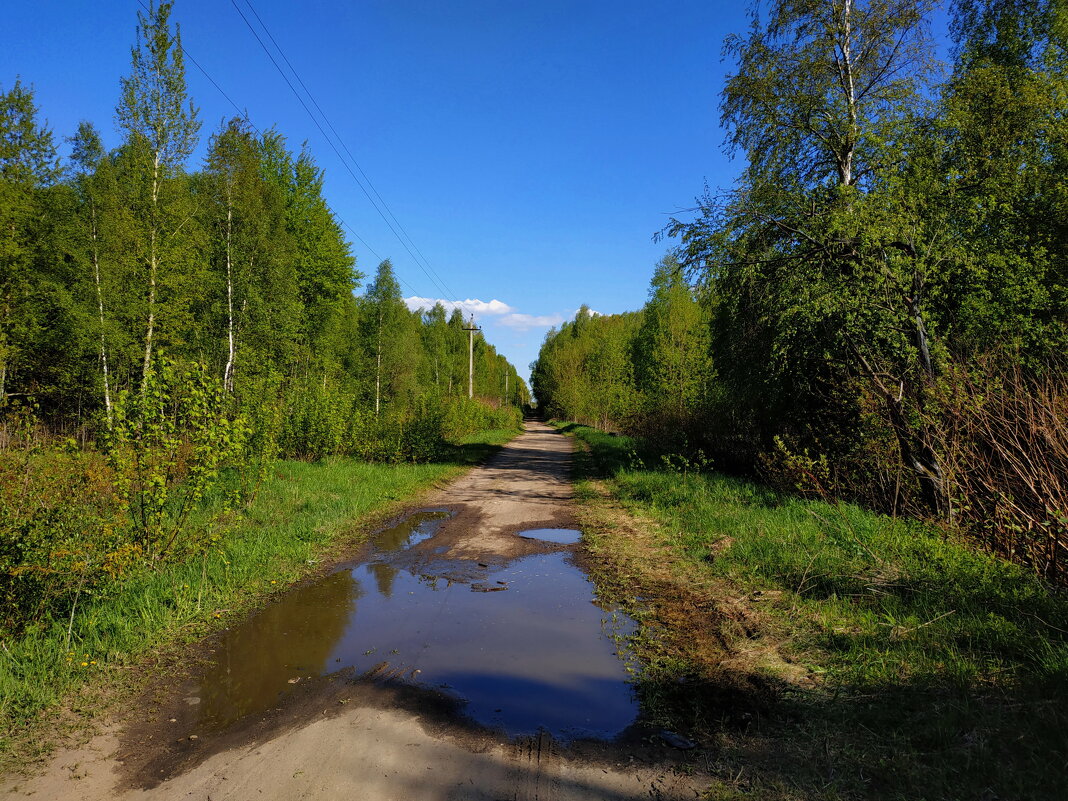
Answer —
471 357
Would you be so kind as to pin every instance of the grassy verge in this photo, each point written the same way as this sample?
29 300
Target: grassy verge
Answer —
826 652
302 514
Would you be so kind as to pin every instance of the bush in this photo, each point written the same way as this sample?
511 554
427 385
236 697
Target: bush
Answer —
320 422
1003 434
464 416
64 531
316 421
169 443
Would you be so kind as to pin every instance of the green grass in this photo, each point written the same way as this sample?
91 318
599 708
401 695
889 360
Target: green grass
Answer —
301 510
942 672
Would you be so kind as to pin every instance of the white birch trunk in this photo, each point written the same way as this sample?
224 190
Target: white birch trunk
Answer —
152 266
848 84
100 312
378 367
228 373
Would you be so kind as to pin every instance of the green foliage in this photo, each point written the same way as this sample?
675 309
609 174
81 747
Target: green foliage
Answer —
168 446
673 371
322 422
62 526
28 168
585 370
893 249
154 108
161 132
462 417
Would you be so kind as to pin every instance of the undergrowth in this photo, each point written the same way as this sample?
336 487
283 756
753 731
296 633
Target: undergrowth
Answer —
934 670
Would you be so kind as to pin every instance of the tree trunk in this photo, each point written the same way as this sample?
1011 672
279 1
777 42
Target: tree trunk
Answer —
152 267
100 311
844 63
378 366
228 373
919 329
916 451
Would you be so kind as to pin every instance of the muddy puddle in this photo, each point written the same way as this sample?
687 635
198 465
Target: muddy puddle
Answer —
523 646
560 536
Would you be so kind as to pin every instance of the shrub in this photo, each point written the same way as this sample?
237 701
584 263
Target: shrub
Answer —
63 528
168 445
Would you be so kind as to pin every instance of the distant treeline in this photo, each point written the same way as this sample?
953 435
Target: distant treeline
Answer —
879 309
111 259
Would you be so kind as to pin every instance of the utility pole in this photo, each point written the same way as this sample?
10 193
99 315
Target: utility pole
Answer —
506 376
471 356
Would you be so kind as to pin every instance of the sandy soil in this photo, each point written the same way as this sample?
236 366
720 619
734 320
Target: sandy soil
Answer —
347 738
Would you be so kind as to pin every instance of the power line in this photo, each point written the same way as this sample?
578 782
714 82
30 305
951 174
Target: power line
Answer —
348 152
330 142
427 270
244 115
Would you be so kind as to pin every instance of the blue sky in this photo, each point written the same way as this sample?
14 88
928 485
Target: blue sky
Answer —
529 148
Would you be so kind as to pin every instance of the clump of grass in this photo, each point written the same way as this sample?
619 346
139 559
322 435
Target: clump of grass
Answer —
879 600
935 670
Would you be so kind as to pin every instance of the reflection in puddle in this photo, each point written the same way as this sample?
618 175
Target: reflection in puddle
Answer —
410 531
524 646
562 536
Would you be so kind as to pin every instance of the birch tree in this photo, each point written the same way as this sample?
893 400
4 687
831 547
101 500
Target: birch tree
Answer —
92 180
238 215
825 254
435 332
391 337
161 128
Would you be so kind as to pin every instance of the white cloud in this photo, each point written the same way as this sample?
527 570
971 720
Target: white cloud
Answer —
469 306
501 312
524 322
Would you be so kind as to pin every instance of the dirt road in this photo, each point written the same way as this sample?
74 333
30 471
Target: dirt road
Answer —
352 735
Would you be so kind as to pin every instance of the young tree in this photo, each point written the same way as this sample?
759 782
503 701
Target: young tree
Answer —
325 265
161 129
94 183
240 218
435 346
391 337
457 353
671 349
